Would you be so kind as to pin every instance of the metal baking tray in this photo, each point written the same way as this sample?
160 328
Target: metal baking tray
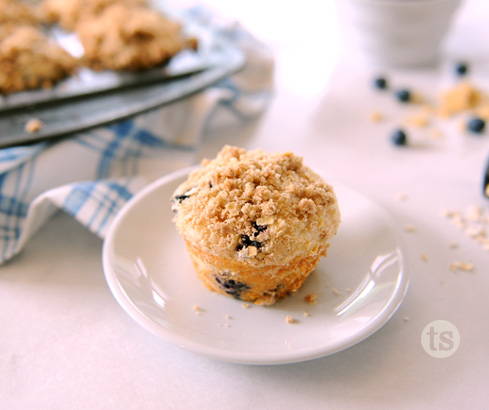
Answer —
90 99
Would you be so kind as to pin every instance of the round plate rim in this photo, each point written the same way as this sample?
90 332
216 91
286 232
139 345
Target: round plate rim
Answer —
125 302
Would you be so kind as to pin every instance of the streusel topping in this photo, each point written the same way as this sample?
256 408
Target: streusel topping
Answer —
255 206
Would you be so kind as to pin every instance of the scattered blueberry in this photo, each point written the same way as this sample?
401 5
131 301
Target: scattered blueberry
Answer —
231 287
403 95
476 125
380 83
258 228
461 69
180 198
246 241
399 137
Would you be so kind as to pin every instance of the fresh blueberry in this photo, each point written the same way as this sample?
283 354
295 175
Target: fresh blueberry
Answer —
461 69
399 137
258 228
403 95
380 83
180 198
231 287
476 125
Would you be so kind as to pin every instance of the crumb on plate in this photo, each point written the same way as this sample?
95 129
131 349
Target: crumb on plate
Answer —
311 298
290 320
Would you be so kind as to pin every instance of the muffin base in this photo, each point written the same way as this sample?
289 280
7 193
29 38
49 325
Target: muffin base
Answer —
262 286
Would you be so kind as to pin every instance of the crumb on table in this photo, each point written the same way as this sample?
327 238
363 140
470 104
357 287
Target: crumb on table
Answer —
401 196
197 309
462 266
409 228
34 125
376 116
420 120
462 97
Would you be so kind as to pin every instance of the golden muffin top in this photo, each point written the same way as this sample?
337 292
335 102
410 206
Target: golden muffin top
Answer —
256 207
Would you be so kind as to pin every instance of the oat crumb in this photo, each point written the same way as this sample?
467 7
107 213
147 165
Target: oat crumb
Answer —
462 266
246 305
228 317
307 314
197 309
290 320
460 98
336 292
401 196
311 298
424 257
476 232
376 116
420 120
447 213
33 125
409 228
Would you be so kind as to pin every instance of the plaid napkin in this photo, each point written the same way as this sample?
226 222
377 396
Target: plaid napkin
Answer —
92 175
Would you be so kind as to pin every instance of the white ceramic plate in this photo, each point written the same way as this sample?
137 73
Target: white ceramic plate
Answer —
359 285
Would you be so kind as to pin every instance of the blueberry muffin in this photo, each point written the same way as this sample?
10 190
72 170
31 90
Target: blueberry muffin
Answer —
17 12
255 224
130 38
68 13
28 59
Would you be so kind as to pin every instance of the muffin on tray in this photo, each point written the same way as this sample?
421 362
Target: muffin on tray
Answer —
130 38
255 224
28 59
68 13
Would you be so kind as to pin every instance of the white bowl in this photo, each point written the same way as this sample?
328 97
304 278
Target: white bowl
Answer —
397 32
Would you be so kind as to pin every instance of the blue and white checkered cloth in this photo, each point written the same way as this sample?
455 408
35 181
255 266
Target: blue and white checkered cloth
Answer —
92 175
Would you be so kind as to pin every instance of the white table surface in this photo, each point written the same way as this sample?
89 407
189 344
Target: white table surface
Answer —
66 344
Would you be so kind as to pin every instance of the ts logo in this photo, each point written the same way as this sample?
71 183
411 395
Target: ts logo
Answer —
440 339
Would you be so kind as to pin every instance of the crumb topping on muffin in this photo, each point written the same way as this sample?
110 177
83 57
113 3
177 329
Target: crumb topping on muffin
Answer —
255 206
